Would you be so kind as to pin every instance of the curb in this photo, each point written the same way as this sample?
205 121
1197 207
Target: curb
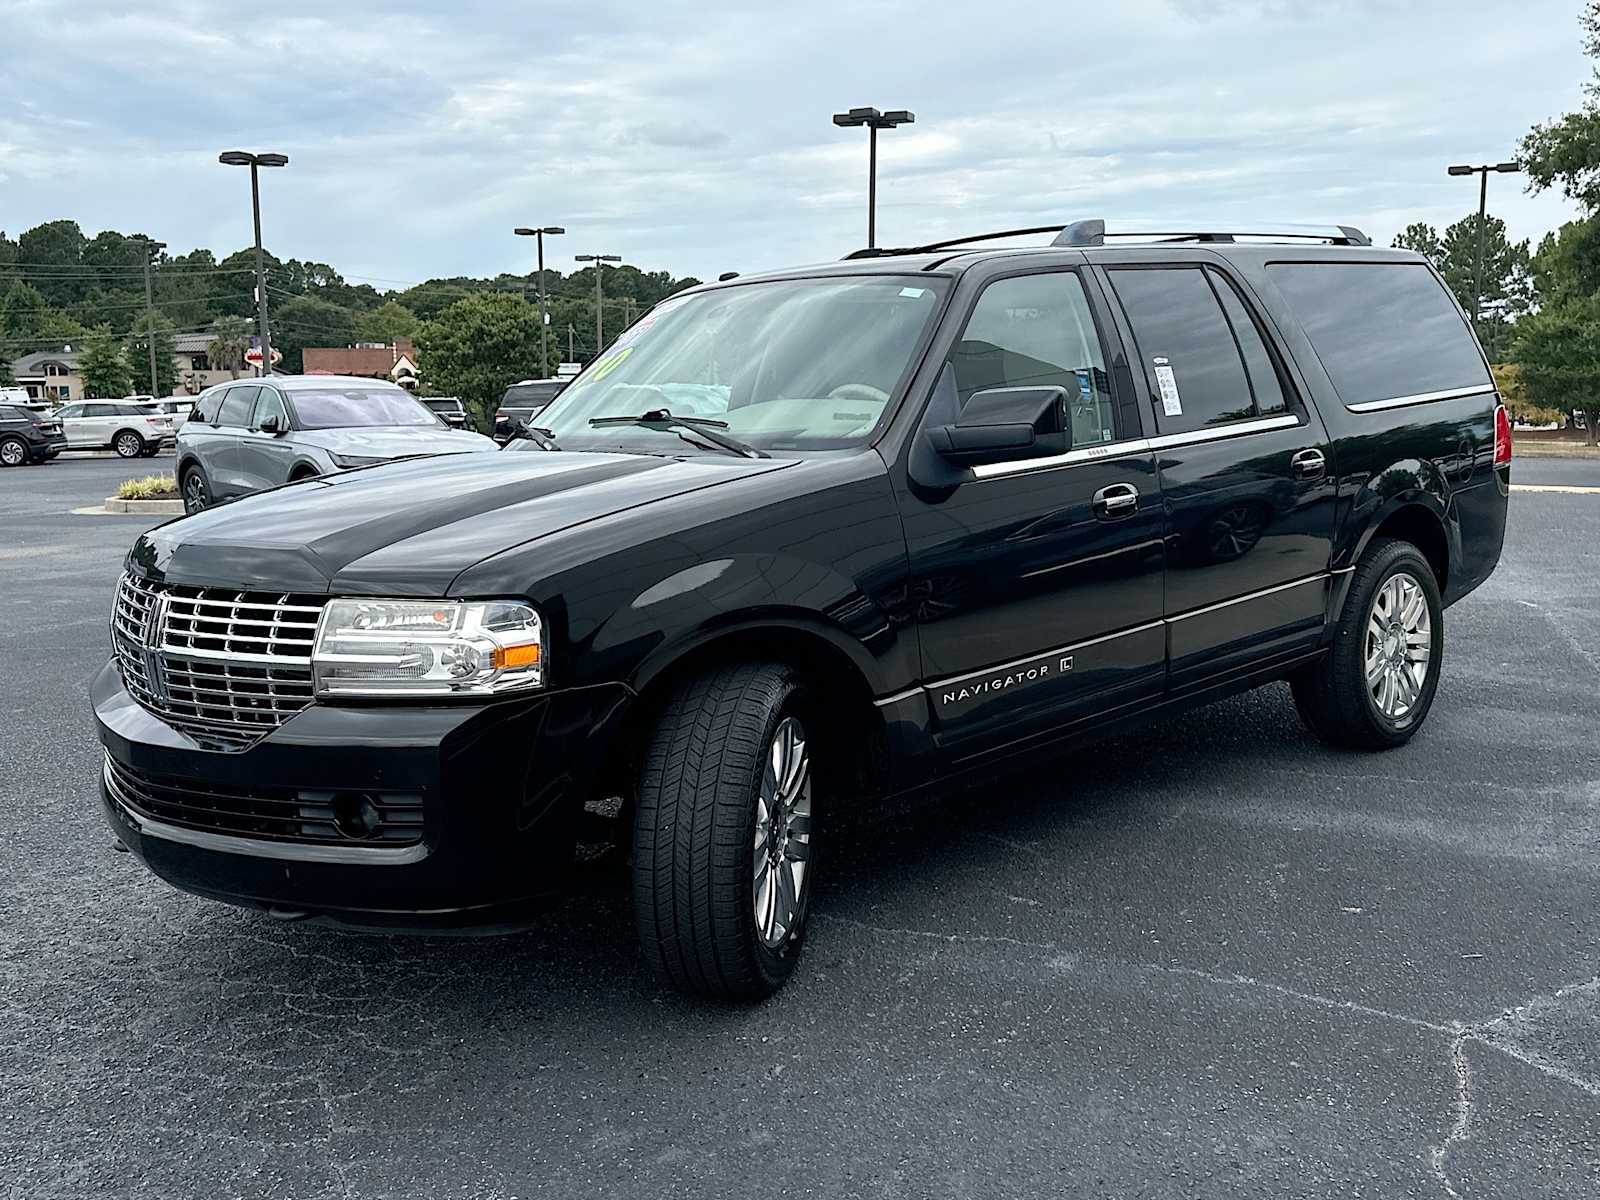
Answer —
147 507
1530 449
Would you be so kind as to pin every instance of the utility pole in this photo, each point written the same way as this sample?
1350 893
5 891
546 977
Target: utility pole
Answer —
874 121
599 298
1482 172
571 355
151 249
241 158
544 313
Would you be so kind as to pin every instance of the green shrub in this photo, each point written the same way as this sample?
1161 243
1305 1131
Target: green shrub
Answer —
151 487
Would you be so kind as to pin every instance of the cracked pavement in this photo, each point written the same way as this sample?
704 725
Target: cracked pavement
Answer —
1209 959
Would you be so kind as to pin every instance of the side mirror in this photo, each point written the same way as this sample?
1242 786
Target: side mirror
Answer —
1004 425
272 423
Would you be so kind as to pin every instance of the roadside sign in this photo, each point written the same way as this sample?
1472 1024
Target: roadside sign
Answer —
253 356
567 370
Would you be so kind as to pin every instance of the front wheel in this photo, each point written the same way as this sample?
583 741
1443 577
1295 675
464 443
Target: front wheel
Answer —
1376 685
722 843
128 444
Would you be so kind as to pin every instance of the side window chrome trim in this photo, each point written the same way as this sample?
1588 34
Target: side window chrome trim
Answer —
1421 398
1121 449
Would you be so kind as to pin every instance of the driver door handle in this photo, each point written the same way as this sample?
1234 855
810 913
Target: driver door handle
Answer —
1115 501
1309 464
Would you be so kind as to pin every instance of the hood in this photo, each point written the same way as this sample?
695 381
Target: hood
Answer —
409 528
389 441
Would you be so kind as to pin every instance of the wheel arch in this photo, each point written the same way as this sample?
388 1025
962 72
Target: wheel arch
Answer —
1414 517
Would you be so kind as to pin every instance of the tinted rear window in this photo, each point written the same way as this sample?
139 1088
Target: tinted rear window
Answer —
530 395
1382 330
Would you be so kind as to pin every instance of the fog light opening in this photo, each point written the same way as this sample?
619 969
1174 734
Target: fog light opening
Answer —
355 815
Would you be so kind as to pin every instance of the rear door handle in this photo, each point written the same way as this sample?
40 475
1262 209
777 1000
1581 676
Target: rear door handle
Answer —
1115 501
1309 464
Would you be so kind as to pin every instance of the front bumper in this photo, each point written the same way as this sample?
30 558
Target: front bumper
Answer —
502 787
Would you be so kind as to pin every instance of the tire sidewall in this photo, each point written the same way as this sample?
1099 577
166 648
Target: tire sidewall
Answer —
122 439
22 458
1397 558
776 964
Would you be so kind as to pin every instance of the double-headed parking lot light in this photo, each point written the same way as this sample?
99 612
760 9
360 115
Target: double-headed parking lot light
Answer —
544 314
874 121
599 299
243 158
1504 168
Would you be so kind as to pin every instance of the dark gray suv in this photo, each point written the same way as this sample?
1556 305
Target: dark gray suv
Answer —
248 435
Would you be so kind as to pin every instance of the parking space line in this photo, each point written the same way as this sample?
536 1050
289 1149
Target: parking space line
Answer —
1565 489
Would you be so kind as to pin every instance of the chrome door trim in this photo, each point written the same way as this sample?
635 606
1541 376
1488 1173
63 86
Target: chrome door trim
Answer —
1113 450
1420 398
1282 587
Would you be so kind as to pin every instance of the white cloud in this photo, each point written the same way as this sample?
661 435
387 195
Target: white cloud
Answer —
696 138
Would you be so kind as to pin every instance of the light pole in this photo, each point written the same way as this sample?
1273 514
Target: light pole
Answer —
1482 172
599 300
544 316
242 158
874 121
151 249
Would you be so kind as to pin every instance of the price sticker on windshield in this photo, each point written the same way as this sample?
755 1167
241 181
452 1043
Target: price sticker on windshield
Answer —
1171 403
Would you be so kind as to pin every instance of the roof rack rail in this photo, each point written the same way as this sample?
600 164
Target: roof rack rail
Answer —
881 252
1094 233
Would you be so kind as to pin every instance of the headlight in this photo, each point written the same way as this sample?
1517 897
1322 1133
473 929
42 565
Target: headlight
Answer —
346 461
426 648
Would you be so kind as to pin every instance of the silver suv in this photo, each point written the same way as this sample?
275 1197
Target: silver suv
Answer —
248 435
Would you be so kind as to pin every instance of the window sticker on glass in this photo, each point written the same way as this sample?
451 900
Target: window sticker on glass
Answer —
911 292
1171 405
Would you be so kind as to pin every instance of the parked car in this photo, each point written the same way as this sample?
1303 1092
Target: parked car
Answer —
874 527
132 430
27 437
245 435
177 407
448 409
521 403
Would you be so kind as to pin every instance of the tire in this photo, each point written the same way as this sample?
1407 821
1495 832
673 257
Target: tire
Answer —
1392 616
13 452
706 849
196 490
128 444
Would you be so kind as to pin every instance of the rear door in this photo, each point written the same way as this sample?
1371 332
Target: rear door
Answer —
265 458
222 454
1037 582
1245 468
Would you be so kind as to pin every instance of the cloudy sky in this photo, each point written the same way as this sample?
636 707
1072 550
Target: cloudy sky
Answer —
696 137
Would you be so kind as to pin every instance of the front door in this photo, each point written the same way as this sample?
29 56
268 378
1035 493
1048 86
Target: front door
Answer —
264 458
1037 583
222 449
1246 474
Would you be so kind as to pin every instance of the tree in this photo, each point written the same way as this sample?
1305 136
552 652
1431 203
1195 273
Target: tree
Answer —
477 346
307 321
230 338
55 249
1558 356
389 320
1507 281
102 366
158 332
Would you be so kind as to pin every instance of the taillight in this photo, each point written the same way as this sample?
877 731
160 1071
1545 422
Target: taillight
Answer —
500 415
1502 436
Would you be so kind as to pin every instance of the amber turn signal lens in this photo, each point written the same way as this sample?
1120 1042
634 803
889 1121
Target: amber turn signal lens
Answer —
516 656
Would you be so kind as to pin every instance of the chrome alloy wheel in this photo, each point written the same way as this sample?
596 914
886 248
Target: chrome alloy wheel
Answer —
783 834
13 453
1399 645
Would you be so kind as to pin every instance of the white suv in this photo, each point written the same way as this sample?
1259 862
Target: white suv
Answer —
132 430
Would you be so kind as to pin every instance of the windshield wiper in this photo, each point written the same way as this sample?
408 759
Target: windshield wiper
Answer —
706 427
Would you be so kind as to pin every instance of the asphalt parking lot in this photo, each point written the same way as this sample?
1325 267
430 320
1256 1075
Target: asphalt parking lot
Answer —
1213 959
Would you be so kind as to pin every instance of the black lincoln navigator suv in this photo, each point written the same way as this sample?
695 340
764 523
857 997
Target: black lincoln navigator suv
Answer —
797 539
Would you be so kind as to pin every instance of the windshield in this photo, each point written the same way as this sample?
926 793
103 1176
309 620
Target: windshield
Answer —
788 365
345 408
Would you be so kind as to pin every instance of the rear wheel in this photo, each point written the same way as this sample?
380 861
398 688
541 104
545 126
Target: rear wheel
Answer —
722 865
1377 684
196 492
128 444
13 452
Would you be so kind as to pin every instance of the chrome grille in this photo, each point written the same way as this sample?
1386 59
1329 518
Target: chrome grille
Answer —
227 667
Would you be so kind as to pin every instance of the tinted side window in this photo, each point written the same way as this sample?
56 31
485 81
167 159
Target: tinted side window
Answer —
236 406
70 410
99 410
1382 330
1196 374
1037 331
7 413
1265 383
270 404
205 408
